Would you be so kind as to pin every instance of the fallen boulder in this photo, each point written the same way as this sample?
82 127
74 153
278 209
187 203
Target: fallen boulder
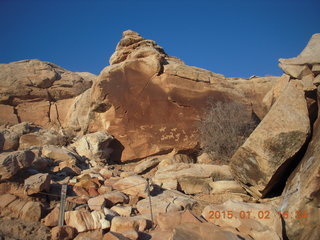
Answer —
261 161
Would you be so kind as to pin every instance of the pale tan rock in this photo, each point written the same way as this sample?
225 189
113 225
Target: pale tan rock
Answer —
219 187
77 115
94 146
168 201
31 211
316 80
40 138
316 68
8 115
97 203
257 220
63 233
51 220
166 176
173 158
193 185
300 201
100 221
105 189
127 174
308 82
271 97
26 110
295 71
12 162
133 186
114 236
203 231
147 164
159 235
85 221
123 224
278 137
90 235
204 158
59 154
309 55
11 135
255 89
131 234
40 82
106 173
123 211
115 197
6 199
37 183
168 221
15 207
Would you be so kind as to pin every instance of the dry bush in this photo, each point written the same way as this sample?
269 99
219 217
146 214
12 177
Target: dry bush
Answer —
224 128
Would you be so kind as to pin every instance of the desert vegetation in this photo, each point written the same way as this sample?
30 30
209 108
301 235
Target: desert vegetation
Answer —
223 128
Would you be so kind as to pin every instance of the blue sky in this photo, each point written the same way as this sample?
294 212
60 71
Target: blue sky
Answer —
237 38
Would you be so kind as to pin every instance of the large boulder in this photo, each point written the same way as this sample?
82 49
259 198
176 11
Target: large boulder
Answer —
31 86
149 101
132 185
12 162
11 135
301 198
260 221
168 201
95 147
37 183
262 160
255 89
306 65
169 176
86 221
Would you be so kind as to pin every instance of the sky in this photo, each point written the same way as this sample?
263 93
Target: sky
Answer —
237 38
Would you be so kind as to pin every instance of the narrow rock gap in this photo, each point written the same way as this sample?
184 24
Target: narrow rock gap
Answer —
58 118
15 111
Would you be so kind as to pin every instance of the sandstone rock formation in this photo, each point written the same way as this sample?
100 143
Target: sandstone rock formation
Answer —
269 149
141 111
150 101
31 85
301 195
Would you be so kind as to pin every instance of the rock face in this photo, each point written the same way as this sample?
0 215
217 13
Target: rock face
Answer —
259 163
150 101
301 197
43 87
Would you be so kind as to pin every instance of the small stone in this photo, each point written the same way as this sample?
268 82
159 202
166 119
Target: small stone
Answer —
115 197
123 211
51 220
37 183
97 203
